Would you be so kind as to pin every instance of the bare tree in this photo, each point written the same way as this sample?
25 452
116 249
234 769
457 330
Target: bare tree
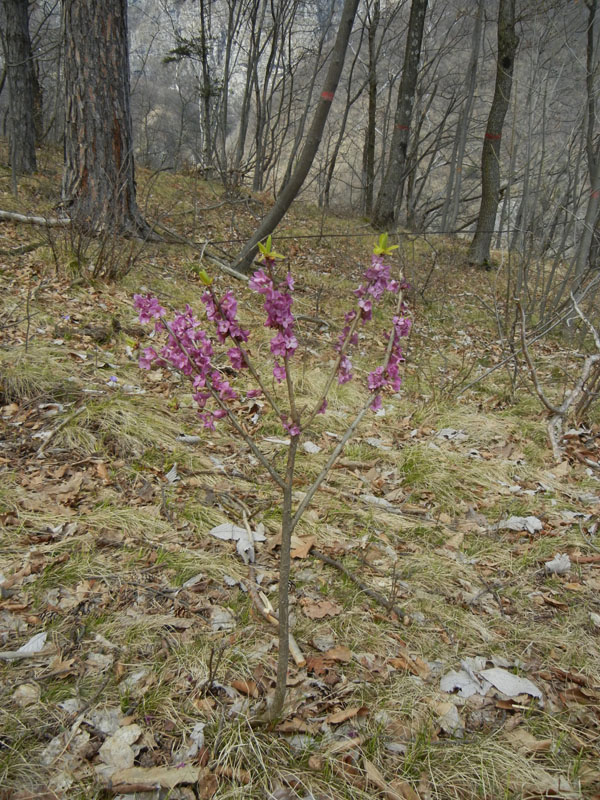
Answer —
313 139
455 172
592 146
508 42
391 186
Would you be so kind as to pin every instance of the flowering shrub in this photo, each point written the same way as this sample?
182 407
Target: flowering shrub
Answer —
190 350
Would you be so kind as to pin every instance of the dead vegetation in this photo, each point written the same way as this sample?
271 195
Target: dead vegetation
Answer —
146 662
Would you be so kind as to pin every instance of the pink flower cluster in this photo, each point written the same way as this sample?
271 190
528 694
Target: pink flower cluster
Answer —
390 375
278 305
190 351
377 282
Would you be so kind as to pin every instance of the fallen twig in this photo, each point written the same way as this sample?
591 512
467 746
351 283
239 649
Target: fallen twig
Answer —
379 598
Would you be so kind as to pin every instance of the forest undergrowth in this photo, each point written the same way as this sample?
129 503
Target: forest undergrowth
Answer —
134 661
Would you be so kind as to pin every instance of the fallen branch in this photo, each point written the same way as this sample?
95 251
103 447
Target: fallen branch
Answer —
19 251
45 222
379 598
176 238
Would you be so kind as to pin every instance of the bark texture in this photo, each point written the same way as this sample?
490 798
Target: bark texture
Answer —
313 139
592 149
98 179
393 180
14 26
508 41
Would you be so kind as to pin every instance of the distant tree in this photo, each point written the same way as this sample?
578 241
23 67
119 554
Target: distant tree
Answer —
373 16
313 139
592 146
508 41
391 186
16 46
455 172
98 179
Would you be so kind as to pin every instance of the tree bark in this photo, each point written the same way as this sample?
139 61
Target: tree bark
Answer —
313 139
392 184
98 179
508 42
454 184
369 143
14 24
592 150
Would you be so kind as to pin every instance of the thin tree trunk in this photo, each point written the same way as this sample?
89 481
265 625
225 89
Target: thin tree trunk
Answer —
311 145
16 44
391 187
309 93
369 145
98 179
508 42
454 184
593 152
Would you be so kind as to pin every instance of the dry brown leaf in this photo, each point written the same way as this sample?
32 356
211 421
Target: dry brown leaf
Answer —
249 688
415 665
404 789
341 716
301 547
296 725
455 541
345 744
207 785
375 777
316 763
339 653
323 608
525 743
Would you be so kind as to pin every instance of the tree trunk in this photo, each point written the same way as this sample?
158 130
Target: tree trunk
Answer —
592 151
391 187
369 144
508 41
313 139
14 19
454 184
98 179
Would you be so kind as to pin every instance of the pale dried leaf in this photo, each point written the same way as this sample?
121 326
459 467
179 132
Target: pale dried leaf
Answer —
163 777
559 565
509 684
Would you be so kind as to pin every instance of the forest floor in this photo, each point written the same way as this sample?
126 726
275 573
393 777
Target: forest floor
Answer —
132 653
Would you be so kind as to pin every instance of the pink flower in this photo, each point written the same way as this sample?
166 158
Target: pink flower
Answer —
260 282
149 355
376 404
345 370
279 372
291 427
253 393
376 379
148 307
236 357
